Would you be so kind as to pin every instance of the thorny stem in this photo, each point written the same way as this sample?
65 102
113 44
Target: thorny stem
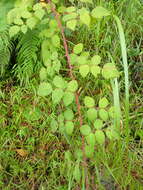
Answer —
73 78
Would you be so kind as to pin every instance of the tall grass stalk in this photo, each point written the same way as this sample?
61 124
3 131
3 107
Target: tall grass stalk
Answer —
125 65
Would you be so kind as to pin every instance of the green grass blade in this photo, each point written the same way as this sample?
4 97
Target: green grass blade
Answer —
125 64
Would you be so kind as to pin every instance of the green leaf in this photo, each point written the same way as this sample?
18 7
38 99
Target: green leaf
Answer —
43 74
84 70
56 40
89 102
77 173
96 59
13 30
68 98
72 86
95 70
18 21
37 6
92 114
44 89
89 151
100 12
69 127
32 114
68 114
85 17
31 22
85 130
59 82
91 140
57 95
69 17
98 124
103 114
39 13
26 14
100 137
70 9
78 48
24 29
54 125
109 71
103 103
71 24
82 60
87 1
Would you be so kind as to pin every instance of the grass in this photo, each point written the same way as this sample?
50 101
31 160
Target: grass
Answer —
32 156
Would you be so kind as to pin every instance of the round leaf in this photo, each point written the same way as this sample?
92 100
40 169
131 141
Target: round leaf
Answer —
100 12
98 124
85 130
57 95
69 127
68 114
68 98
84 70
44 89
71 24
72 86
78 48
89 102
89 151
109 71
100 137
91 139
13 30
59 82
92 114
43 74
103 114
96 59
103 103
95 70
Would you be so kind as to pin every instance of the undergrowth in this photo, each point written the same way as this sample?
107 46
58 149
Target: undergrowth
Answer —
71 109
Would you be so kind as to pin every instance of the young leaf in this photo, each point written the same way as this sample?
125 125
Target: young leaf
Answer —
100 137
56 40
26 14
57 95
44 89
95 70
103 103
54 125
43 74
85 17
103 114
71 24
78 48
39 13
31 22
68 98
92 114
85 130
89 102
109 71
71 16
98 124
68 114
13 30
100 12
70 9
72 86
96 59
24 29
91 140
59 82
18 21
84 70
69 127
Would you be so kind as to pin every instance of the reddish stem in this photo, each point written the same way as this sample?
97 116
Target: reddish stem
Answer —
57 16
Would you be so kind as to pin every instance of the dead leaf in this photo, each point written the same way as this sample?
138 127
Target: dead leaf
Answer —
22 152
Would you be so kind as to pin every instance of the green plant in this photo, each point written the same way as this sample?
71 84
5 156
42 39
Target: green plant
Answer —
85 120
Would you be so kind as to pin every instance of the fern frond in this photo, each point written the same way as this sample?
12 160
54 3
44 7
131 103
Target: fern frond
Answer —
27 56
5 50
